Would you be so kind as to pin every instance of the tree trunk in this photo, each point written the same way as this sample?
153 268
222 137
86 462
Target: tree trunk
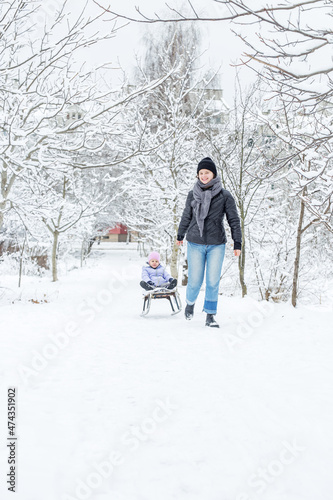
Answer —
174 261
21 263
175 247
241 267
298 256
2 207
83 252
54 256
185 273
6 186
241 260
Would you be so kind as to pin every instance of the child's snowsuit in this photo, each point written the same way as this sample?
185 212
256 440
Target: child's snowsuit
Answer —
158 276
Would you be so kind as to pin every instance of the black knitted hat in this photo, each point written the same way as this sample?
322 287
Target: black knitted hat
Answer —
207 164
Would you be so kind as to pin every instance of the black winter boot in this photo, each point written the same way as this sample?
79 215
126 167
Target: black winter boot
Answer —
146 285
189 311
172 284
210 321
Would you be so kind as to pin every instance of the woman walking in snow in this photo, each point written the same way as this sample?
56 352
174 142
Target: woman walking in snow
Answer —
202 222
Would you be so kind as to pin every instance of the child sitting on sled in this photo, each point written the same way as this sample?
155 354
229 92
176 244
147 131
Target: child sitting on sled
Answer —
154 274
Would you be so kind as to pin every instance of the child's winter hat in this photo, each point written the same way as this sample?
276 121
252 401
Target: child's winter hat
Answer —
207 164
154 255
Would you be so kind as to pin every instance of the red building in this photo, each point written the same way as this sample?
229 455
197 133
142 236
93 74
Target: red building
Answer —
117 233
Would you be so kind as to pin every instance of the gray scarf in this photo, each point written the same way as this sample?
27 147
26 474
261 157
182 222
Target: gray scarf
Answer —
203 194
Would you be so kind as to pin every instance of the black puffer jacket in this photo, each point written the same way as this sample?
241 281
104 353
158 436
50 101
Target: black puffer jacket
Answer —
213 232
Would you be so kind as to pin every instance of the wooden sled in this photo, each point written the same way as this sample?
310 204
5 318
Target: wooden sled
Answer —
162 293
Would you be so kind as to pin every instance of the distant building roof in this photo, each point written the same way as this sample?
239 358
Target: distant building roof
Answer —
118 229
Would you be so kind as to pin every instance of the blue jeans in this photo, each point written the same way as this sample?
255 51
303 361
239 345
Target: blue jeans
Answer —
199 257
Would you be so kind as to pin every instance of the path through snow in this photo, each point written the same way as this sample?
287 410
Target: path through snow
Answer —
113 406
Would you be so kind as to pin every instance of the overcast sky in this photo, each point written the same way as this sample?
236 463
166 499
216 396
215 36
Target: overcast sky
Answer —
222 48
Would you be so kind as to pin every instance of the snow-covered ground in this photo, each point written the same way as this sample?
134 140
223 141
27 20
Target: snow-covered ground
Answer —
114 406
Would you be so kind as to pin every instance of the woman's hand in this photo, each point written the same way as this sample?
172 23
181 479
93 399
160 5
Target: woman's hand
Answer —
178 243
237 253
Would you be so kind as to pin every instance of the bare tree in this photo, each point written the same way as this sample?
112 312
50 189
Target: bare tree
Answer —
307 171
173 118
238 147
50 109
291 51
